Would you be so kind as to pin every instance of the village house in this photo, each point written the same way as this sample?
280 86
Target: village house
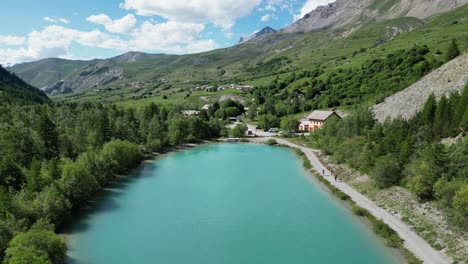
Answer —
316 120
190 113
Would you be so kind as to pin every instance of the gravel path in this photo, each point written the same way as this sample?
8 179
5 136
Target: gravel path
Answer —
413 241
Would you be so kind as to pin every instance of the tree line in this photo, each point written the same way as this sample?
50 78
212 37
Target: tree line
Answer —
55 157
409 153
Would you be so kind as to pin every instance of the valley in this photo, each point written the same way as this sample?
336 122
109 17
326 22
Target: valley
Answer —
391 77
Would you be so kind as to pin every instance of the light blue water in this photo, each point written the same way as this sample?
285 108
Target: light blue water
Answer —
223 203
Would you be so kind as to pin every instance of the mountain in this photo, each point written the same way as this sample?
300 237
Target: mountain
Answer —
355 13
60 76
266 55
449 78
135 56
43 72
256 36
15 89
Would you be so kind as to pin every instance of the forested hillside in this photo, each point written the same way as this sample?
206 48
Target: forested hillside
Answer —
54 158
13 88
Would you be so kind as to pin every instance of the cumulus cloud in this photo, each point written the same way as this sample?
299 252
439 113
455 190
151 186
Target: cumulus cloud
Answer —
311 5
123 25
222 13
55 41
12 40
58 20
171 36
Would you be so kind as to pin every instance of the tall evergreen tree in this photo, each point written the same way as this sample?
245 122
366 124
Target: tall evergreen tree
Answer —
427 115
442 119
48 134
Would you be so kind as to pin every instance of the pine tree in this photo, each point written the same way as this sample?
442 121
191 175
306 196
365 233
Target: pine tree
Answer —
453 50
47 132
427 114
442 119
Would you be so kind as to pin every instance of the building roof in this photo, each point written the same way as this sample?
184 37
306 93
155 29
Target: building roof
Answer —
321 115
190 112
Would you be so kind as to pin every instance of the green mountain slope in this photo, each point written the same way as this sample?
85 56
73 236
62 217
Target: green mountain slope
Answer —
15 89
257 63
47 71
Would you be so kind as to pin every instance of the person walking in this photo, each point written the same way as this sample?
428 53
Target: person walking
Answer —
336 177
323 172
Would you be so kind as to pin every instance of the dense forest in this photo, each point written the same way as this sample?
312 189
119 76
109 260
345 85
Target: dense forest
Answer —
14 88
409 153
55 157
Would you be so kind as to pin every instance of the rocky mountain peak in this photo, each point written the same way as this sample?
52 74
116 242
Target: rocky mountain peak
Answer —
257 35
353 13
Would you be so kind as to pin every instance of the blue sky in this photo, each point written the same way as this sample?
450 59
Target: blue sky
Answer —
85 29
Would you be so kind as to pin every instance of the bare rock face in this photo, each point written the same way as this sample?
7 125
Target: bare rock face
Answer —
353 13
449 78
258 35
98 74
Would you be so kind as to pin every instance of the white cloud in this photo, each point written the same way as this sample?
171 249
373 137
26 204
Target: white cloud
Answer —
63 20
172 37
311 5
123 25
222 13
48 19
268 17
12 40
55 41
58 20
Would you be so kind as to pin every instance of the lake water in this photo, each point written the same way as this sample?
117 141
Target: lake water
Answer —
220 204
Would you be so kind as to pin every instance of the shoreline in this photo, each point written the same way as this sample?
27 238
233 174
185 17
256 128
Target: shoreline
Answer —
412 241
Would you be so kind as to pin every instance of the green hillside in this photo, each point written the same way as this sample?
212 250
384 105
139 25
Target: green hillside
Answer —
259 63
47 71
12 88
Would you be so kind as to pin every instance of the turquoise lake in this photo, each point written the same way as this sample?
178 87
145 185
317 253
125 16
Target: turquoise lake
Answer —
223 203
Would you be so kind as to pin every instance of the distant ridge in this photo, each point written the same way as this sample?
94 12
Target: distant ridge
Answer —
354 13
265 31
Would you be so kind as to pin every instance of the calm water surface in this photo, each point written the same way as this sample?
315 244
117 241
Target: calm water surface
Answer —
223 203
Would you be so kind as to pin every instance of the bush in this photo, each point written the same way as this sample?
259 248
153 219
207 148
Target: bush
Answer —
239 130
121 154
359 210
460 206
387 171
271 142
383 230
38 245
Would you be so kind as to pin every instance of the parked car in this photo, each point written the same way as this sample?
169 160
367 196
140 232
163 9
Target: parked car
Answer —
273 130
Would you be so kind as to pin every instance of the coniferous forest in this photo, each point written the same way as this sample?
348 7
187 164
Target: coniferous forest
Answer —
56 157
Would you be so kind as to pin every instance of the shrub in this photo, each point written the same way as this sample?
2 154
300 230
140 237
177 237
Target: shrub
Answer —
47 246
359 210
383 230
387 171
271 142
